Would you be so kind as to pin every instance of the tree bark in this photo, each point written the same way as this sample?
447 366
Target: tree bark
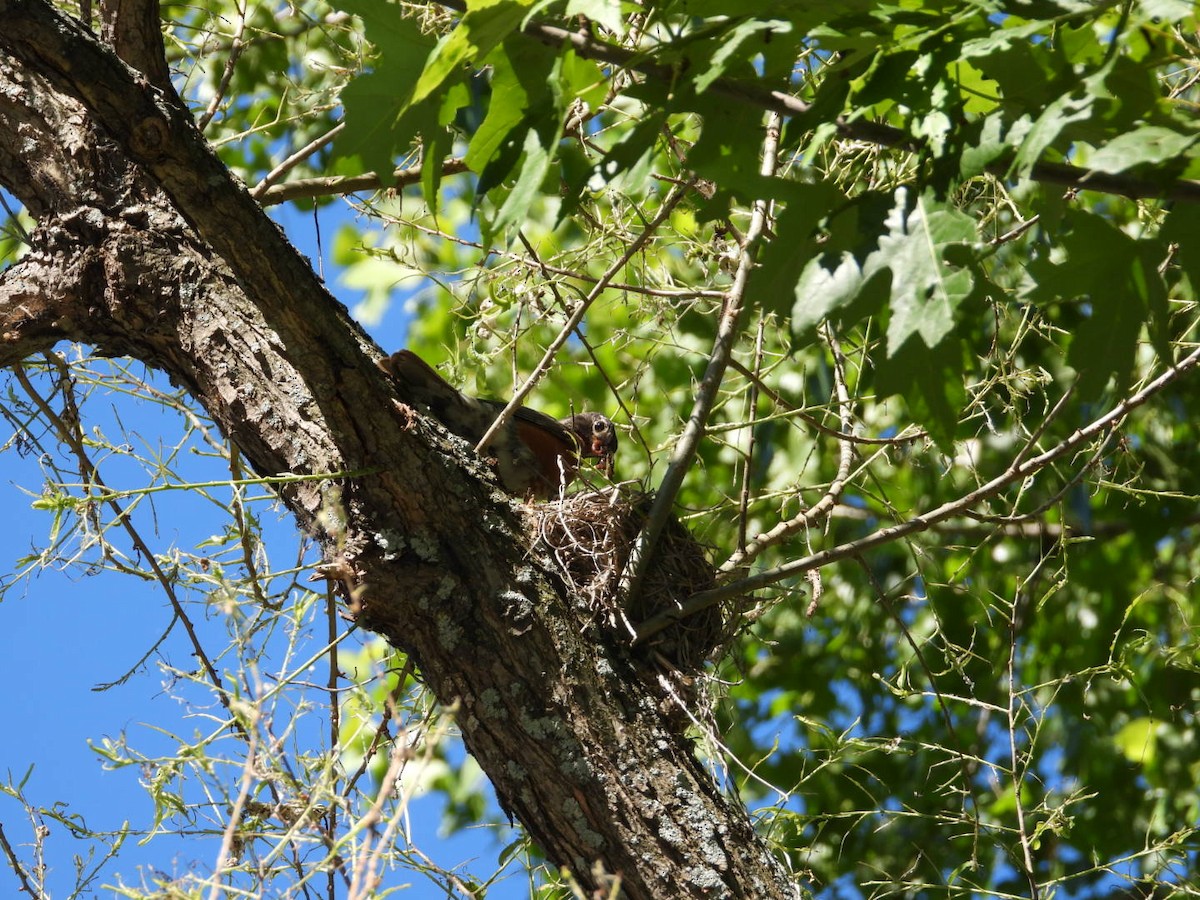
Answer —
147 247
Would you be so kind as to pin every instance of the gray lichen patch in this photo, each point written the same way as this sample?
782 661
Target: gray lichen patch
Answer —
491 705
450 633
572 810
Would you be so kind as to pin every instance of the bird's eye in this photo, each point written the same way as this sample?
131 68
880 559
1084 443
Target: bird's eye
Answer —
599 426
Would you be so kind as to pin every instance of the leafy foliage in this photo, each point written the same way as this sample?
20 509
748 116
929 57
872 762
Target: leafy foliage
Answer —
979 237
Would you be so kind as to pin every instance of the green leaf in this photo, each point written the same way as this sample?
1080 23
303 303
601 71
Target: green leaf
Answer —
519 85
1180 229
835 281
1136 740
1149 144
988 145
606 12
538 155
773 284
629 158
1047 128
926 289
1118 278
486 24
930 380
1104 342
380 119
730 52
723 154
1168 10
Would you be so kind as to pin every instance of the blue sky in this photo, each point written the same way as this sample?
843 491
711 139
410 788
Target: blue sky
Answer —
67 631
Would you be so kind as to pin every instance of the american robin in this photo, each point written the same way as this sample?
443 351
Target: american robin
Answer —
536 455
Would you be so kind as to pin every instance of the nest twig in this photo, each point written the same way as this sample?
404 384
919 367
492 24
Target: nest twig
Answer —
591 535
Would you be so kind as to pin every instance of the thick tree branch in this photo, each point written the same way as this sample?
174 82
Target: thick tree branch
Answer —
569 728
159 135
134 30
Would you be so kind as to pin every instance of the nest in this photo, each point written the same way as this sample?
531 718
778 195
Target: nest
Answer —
591 535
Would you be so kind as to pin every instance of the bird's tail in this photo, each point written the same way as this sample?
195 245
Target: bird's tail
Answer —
419 382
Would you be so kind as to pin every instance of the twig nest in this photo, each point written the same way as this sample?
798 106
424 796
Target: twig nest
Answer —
591 535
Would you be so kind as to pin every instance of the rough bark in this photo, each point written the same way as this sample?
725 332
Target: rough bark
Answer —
147 247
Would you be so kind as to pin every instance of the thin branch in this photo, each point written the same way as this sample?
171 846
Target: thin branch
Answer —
365 878
335 734
1013 473
1023 527
245 540
381 733
296 158
728 329
947 719
225 860
582 338
576 274
308 188
748 457
909 434
364 875
236 48
70 435
18 869
1015 760
823 507
579 312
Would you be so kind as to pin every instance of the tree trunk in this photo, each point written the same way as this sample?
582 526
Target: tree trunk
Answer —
146 247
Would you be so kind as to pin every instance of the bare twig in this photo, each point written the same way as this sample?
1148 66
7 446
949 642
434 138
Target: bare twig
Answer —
364 871
295 159
381 733
582 338
545 267
351 184
17 867
1015 765
748 457
225 858
365 879
924 521
909 435
783 530
236 48
728 329
69 433
237 507
964 766
335 734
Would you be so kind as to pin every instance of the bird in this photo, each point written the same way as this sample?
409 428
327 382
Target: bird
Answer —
537 456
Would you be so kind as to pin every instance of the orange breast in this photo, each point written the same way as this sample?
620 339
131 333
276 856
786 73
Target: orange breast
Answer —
550 449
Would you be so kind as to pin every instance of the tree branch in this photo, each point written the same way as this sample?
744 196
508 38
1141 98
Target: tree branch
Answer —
579 312
133 29
1014 473
783 530
158 133
338 185
571 732
728 329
